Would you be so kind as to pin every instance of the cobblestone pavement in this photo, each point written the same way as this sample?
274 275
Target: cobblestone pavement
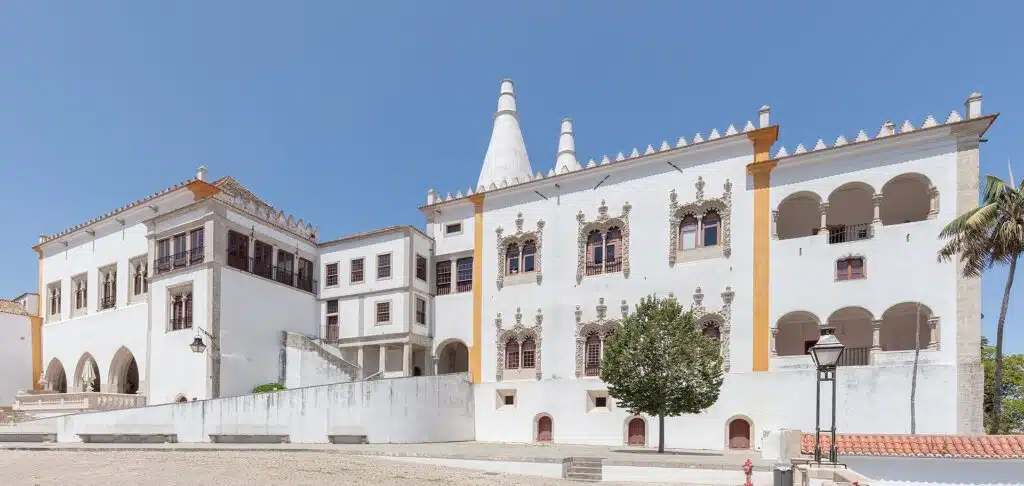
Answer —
225 468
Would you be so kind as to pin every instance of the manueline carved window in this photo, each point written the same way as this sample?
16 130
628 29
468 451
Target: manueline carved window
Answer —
519 348
591 338
700 230
519 254
603 243
715 324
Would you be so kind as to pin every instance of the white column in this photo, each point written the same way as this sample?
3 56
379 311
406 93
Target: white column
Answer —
933 202
407 359
774 349
823 210
383 359
361 361
775 224
933 334
876 221
876 331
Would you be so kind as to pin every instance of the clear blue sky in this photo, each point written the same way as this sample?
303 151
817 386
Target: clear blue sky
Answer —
344 113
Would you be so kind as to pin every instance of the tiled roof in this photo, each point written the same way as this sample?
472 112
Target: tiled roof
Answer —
12 307
961 446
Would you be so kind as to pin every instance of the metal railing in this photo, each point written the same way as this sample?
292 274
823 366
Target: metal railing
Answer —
108 302
613 266
855 357
332 332
849 232
592 369
183 259
265 269
464 286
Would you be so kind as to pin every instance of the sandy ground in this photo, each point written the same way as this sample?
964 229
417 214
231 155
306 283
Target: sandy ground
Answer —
223 468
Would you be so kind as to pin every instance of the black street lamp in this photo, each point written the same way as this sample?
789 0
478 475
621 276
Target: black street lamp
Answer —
198 346
826 353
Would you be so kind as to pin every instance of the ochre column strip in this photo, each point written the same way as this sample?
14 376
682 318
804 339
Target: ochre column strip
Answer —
761 170
476 350
36 324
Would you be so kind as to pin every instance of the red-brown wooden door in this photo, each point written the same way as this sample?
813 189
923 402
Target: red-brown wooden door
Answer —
739 434
544 429
637 433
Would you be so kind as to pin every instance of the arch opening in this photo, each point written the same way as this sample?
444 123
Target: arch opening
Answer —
453 358
898 332
798 215
124 373
906 198
851 208
796 332
636 432
739 433
545 429
852 326
56 378
87 374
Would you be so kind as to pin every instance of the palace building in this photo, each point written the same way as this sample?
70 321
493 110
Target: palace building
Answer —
203 290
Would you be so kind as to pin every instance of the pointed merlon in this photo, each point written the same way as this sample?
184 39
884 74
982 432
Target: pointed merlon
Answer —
731 130
820 144
714 134
781 153
886 129
605 160
563 170
929 122
954 116
840 141
504 183
480 189
540 175
448 197
469 192
493 186
698 139
515 181
906 127
649 151
748 127
551 172
634 154
619 157
799 149
862 136
681 142
664 146
591 164
458 195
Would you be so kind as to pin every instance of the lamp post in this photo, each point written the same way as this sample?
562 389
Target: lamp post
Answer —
826 353
198 346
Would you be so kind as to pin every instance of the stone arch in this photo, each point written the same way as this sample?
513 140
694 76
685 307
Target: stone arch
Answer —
87 367
852 326
795 332
850 211
56 377
897 332
181 398
798 215
452 357
711 326
123 376
543 428
907 198
635 431
739 432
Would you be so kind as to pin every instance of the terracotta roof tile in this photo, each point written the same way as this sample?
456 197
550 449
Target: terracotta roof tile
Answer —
12 307
976 447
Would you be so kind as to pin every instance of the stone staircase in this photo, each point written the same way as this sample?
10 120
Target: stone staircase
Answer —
324 350
584 469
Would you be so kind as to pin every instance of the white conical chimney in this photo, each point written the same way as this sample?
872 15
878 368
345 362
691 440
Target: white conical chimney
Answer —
566 160
506 156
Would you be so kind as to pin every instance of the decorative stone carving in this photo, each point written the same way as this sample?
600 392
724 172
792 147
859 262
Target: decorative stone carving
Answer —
239 197
601 325
698 209
722 318
602 223
520 333
520 237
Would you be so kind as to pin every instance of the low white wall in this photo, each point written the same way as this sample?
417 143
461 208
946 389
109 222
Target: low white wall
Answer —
16 352
407 410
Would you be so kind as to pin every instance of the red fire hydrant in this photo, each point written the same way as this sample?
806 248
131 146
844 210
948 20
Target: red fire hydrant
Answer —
748 469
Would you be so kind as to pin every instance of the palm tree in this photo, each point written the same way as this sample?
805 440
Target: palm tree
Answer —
992 233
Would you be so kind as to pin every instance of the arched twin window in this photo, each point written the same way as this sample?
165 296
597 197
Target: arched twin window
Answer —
706 231
520 356
604 251
140 283
592 355
712 331
521 259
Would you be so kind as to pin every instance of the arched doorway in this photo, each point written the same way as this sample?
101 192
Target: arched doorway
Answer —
636 432
56 378
453 357
181 399
544 429
739 433
124 372
87 374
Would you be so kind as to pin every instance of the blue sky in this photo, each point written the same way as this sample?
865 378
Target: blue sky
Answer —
344 113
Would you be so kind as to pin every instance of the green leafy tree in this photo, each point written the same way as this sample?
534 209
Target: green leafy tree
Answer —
658 363
1013 391
992 233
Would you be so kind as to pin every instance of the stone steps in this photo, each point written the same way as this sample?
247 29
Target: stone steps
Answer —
584 469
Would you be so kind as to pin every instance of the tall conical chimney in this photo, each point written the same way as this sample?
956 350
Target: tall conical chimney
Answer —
566 160
506 157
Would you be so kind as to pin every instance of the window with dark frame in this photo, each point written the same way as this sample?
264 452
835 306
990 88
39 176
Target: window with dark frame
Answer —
180 242
529 256
238 250
592 353
356 275
443 277
196 242
262 259
285 269
421 311
163 255
332 274
464 274
384 266
304 275
421 267
512 354
452 228
332 330
510 399
600 402
383 312
181 310
529 353
850 269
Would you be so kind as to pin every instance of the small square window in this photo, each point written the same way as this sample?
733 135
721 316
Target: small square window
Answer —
453 229
421 267
421 311
332 306
601 402
510 399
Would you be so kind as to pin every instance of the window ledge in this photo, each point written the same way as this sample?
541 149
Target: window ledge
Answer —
520 279
700 253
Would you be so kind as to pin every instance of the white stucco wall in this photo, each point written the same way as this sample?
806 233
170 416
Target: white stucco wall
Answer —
407 410
16 349
306 368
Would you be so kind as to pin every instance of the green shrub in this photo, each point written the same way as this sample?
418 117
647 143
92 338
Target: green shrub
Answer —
268 387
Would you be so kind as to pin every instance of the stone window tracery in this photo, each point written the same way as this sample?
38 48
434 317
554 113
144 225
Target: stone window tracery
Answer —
716 324
591 338
603 244
700 229
519 254
519 348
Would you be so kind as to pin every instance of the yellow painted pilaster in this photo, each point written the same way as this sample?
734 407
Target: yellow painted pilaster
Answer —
476 350
37 327
761 170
